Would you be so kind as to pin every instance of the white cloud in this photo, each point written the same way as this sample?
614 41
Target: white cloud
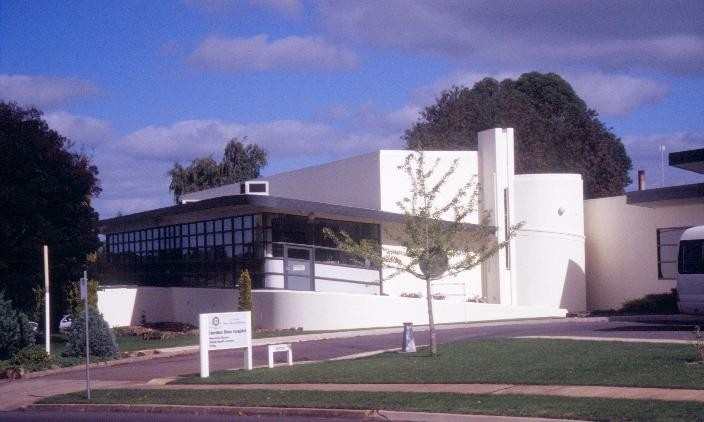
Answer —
609 94
675 53
131 184
43 91
259 53
186 140
133 169
182 141
616 95
498 34
83 131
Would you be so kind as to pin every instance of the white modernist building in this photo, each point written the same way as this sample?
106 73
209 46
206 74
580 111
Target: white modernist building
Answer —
173 263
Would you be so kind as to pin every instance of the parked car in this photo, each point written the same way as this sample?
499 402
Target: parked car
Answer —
65 324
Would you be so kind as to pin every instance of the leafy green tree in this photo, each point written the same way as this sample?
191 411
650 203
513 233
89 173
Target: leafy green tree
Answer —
555 130
15 332
435 239
45 191
102 342
74 303
240 162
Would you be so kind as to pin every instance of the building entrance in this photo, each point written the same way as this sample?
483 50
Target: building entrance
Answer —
298 265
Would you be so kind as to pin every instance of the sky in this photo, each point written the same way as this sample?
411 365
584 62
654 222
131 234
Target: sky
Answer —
139 85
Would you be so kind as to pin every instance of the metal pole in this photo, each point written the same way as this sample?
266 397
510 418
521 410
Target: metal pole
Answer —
47 320
85 304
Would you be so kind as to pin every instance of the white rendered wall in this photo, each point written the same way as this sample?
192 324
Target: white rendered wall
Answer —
496 165
330 311
282 309
460 287
126 305
396 185
352 182
371 181
549 248
621 248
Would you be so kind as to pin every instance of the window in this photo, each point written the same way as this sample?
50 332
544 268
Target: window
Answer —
691 258
198 254
302 230
668 239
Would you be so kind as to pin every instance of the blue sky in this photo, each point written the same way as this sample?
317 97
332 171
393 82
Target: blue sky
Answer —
141 84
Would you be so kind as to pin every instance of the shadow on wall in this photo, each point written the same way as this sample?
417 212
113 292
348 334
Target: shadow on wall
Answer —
152 304
574 291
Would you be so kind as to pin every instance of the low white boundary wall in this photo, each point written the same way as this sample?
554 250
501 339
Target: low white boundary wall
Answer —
329 311
277 309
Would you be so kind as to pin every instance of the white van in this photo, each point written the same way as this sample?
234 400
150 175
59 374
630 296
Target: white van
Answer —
690 271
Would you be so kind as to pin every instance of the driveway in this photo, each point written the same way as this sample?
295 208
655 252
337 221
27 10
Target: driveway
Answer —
336 345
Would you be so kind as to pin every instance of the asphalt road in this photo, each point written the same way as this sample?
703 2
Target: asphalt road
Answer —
332 348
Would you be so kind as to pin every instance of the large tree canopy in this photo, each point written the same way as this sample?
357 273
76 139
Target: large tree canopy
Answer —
45 192
240 162
555 130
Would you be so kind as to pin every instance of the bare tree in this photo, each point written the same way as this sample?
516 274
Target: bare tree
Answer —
436 239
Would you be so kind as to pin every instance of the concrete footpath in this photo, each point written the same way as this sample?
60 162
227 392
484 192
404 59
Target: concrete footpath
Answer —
21 394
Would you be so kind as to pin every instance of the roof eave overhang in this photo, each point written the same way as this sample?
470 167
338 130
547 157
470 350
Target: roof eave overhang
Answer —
262 202
668 196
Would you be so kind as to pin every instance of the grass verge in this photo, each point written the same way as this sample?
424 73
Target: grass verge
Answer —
513 361
505 405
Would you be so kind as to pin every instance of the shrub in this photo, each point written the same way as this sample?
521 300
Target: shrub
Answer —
244 302
664 303
32 357
699 343
15 332
102 342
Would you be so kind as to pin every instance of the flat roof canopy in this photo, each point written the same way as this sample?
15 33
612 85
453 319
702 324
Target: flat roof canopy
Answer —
265 203
257 201
692 160
663 197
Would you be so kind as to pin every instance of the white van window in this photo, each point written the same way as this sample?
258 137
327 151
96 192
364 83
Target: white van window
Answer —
691 257
668 239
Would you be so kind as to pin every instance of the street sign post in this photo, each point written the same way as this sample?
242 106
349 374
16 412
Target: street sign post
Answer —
84 296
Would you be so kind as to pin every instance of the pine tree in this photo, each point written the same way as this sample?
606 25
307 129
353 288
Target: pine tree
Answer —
102 342
244 301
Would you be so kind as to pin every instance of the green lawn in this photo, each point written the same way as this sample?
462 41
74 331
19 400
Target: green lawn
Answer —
519 361
508 405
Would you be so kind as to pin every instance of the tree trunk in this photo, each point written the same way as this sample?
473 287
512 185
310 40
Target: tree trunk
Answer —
431 320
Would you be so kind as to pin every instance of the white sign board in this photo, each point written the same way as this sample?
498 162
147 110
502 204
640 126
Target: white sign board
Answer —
224 330
230 330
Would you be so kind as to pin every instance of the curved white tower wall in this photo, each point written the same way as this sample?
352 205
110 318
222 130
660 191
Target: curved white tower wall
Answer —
549 249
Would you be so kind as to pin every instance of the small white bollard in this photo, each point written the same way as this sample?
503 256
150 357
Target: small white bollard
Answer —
273 348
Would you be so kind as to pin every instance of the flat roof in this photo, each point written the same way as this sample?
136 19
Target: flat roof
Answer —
265 203
692 160
257 201
667 196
